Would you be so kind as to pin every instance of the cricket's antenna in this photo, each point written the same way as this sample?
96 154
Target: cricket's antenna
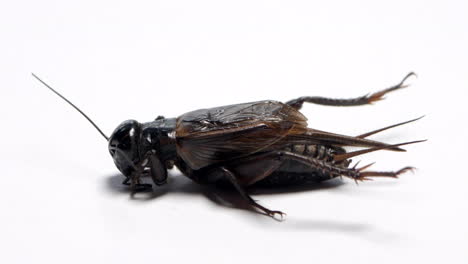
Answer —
66 100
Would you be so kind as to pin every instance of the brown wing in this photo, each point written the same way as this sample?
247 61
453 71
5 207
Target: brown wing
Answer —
208 136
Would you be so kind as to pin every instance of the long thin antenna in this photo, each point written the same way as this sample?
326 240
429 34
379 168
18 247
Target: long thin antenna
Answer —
66 100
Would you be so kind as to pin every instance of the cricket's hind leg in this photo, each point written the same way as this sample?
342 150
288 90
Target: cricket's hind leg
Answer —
362 100
331 161
247 171
247 174
294 173
330 168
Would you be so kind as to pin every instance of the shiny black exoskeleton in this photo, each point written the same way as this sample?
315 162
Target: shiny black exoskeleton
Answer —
265 142
147 148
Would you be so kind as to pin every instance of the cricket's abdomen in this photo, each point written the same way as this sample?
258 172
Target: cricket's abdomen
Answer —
292 172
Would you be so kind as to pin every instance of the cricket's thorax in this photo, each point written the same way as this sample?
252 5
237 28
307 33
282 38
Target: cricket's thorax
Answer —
159 136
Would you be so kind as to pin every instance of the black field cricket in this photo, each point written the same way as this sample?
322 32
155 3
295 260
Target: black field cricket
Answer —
264 143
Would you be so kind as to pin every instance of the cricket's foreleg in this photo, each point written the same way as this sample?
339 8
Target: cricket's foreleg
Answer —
362 100
136 185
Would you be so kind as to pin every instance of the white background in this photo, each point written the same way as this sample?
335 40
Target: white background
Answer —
61 199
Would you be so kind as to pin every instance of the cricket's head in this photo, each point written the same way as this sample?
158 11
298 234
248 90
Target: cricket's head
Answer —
132 155
136 151
124 146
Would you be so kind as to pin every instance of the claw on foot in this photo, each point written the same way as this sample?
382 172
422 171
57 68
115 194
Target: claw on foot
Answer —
378 96
277 215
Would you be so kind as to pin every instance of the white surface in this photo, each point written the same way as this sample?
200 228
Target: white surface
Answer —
61 201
